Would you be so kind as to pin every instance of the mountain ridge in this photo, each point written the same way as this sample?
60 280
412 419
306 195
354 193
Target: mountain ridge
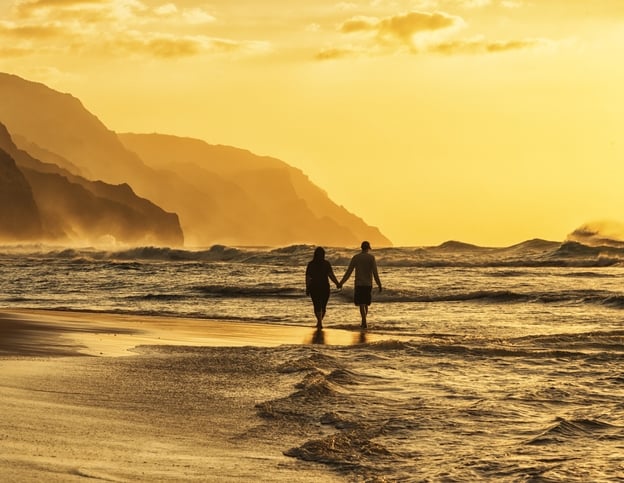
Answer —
273 184
267 202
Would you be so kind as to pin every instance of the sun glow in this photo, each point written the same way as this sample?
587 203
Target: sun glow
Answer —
486 121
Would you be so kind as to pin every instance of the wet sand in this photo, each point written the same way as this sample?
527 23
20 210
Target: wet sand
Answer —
35 332
132 398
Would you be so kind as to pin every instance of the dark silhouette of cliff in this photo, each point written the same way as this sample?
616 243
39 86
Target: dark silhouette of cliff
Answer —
72 208
19 216
221 194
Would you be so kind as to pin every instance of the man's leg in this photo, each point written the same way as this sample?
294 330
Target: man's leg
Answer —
363 313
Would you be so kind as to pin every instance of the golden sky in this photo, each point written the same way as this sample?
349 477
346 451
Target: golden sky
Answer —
485 121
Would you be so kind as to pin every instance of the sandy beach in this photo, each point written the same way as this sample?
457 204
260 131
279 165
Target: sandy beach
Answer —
136 398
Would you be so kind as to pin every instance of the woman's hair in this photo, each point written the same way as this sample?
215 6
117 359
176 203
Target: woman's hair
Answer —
319 254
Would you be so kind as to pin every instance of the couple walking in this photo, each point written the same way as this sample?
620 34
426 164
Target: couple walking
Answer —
319 272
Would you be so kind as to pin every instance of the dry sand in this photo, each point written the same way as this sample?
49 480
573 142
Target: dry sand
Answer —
79 400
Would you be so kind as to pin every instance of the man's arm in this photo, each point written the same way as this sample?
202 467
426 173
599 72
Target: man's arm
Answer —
376 274
347 274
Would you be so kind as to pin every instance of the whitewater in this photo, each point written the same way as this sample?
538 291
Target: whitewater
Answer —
496 363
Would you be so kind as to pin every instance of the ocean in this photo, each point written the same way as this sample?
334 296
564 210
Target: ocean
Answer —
502 364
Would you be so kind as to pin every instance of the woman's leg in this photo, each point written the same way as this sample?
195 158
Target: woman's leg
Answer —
319 318
320 306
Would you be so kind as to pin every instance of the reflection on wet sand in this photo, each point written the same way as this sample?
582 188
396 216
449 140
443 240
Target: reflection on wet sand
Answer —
335 337
318 337
361 337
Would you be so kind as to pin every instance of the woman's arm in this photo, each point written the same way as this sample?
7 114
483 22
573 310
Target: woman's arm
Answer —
308 280
332 277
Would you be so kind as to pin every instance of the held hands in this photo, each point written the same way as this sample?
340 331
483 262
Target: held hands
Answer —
339 286
379 288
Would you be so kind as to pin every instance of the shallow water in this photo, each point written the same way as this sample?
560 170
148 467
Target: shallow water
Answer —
510 365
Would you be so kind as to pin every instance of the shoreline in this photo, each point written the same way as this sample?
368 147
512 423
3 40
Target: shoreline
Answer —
115 397
64 333
183 407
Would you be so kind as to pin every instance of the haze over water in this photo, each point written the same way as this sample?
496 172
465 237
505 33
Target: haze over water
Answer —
498 363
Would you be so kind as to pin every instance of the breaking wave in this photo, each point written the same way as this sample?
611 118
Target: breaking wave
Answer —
532 253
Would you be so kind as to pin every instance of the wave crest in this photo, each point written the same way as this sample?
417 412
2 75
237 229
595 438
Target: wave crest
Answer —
564 430
574 252
599 233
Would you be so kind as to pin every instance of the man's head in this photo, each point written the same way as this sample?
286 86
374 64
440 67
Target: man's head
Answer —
365 246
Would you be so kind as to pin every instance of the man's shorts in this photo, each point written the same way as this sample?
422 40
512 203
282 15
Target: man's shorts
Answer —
362 295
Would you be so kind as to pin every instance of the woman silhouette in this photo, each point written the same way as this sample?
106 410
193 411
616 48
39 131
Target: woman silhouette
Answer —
318 273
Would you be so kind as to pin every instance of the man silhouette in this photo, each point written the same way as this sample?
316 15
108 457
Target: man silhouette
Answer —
365 267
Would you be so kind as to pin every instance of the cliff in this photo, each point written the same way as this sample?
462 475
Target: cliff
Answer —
70 208
221 194
19 215
270 198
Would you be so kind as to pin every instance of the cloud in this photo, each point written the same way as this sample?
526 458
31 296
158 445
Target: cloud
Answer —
108 27
405 32
358 24
333 53
15 31
28 7
165 46
388 35
418 32
487 47
85 10
172 46
402 27
197 16
166 9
